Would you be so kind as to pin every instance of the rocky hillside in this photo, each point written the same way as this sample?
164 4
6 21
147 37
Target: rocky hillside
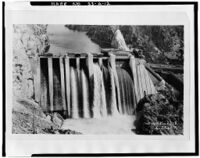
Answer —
158 44
28 42
28 118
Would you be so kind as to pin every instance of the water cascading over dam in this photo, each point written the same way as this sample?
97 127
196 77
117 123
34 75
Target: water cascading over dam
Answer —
92 87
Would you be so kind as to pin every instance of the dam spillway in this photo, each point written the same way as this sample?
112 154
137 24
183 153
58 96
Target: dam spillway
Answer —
91 86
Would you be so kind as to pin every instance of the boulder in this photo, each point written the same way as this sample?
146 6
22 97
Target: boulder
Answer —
57 119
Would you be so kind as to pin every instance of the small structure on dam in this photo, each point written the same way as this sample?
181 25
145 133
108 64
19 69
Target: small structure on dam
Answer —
92 86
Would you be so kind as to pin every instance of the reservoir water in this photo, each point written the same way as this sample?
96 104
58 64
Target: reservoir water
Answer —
64 40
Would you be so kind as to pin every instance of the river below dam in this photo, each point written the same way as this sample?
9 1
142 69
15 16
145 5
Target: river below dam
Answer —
109 125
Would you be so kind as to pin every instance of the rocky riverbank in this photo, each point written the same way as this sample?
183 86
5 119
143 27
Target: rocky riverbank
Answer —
28 118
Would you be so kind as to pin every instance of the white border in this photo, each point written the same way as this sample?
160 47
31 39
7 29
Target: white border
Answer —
25 145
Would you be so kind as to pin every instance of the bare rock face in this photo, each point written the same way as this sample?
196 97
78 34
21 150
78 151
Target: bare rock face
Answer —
28 42
28 118
118 41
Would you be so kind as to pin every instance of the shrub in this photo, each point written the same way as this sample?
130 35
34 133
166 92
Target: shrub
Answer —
159 114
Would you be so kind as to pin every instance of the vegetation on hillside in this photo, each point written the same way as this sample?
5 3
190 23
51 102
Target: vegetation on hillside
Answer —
159 44
159 114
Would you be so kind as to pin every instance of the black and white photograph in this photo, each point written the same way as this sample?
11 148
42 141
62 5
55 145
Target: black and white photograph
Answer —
98 79
82 78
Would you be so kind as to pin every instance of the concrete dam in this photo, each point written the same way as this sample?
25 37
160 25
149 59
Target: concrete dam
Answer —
92 86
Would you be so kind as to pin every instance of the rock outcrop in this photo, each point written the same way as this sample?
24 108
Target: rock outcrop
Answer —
29 41
28 118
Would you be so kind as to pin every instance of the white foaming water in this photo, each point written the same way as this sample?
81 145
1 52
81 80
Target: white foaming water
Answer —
85 95
74 93
99 100
100 108
113 104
